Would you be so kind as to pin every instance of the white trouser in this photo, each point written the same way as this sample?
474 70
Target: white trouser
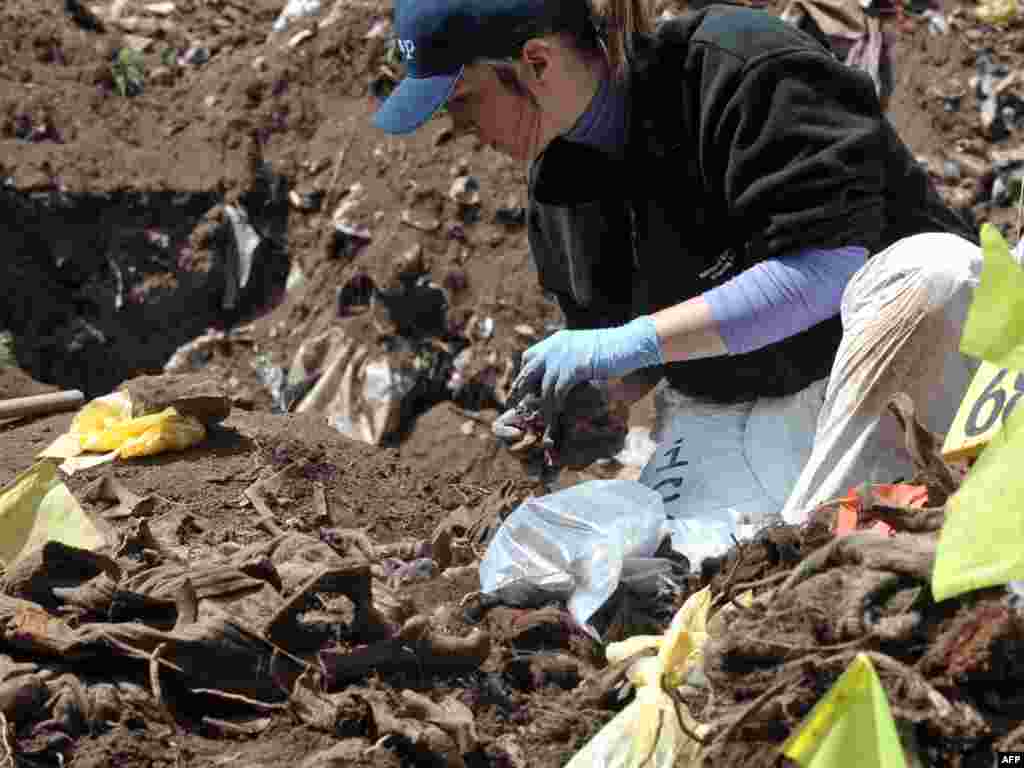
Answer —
722 466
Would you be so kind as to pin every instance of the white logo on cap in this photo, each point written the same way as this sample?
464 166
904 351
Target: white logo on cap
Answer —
407 48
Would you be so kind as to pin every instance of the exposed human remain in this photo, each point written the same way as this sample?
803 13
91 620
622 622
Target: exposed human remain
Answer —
717 202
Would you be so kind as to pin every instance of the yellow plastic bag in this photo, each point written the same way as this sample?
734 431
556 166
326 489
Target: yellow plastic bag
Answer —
105 425
851 726
95 416
168 431
146 435
35 508
647 731
979 545
102 413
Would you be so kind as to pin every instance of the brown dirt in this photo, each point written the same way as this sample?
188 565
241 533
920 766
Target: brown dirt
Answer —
306 111
16 383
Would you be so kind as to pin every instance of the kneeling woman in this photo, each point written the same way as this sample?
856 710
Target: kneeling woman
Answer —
722 203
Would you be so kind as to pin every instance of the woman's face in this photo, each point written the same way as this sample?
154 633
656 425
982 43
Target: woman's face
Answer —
488 103
517 108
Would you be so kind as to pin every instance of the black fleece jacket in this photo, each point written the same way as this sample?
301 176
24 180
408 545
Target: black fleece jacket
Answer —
747 140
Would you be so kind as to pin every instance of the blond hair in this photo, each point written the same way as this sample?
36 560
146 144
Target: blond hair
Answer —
609 27
621 22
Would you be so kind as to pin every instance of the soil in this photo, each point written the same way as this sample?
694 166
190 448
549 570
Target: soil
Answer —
91 174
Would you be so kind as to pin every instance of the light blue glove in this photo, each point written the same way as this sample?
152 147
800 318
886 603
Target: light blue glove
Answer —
554 366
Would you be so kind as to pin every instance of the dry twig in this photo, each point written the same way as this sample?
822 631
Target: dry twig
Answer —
752 708
237 697
8 751
154 682
726 592
677 704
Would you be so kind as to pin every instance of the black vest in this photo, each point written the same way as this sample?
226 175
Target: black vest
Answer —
617 239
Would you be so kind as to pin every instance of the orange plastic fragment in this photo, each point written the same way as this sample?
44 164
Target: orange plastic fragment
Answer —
890 494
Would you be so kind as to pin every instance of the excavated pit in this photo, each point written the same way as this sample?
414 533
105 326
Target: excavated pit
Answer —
104 287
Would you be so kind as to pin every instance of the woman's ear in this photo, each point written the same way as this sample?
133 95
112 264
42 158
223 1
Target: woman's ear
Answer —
536 59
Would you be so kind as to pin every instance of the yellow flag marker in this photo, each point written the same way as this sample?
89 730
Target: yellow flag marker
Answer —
851 727
35 508
994 332
990 399
979 545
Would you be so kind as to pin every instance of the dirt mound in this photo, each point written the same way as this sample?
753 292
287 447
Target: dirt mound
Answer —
948 669
115 215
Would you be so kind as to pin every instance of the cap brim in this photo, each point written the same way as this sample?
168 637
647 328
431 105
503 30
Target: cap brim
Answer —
414 101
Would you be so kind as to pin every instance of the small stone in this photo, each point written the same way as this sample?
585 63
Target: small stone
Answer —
467 428
525 330
465 190
259 63
162 76
485 327
961 198
380 30
195 56
160 9
443 136
136 24
210 101
317 166
138 42
305 201
424 225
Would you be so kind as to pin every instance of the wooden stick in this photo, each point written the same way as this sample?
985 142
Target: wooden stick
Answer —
34 405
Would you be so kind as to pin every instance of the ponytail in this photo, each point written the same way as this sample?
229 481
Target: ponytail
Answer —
620 22
609 27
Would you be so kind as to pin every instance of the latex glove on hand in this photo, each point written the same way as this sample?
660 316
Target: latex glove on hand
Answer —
552 367
557 417
590 426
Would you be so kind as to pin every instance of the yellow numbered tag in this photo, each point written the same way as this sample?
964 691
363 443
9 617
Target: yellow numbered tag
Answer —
990 399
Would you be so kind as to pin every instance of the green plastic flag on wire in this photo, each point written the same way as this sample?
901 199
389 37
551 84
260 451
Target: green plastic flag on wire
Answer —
980 543
994 330
851 727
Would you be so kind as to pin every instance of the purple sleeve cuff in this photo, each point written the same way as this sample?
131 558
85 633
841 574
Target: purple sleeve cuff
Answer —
781 297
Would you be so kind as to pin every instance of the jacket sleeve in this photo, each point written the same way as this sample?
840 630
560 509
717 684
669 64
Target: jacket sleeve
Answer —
793 142
579 236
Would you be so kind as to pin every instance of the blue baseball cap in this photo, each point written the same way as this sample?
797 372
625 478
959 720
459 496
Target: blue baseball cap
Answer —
437 39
